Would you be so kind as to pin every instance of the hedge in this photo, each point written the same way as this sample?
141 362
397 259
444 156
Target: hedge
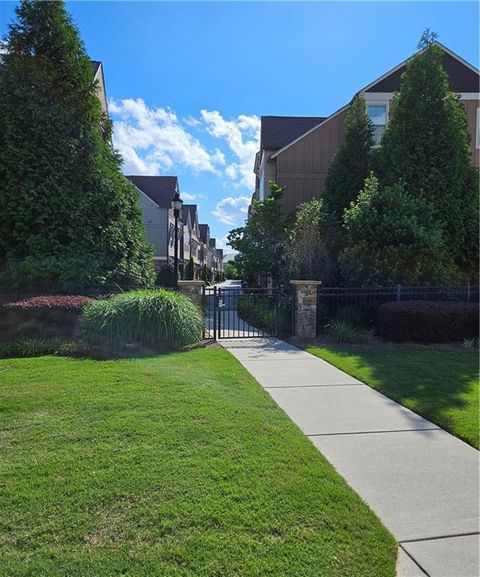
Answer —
42 316
427 321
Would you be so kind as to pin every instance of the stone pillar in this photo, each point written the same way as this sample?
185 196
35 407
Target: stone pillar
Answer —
306 308
193 289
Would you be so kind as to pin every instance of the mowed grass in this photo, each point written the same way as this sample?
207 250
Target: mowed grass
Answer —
439 384
175 465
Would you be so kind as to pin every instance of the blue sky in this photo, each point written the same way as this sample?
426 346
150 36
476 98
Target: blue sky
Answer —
188 82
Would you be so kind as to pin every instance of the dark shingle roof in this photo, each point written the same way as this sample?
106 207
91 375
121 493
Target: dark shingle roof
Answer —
95 66
204 229
278 131
160 189
189 208
212 242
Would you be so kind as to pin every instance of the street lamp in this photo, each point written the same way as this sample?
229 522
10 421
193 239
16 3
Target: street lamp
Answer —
177 203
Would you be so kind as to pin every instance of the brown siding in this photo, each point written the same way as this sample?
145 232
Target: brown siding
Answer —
460 77
303 167
471 110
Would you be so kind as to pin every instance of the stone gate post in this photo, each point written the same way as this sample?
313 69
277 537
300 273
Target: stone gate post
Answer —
193 289
306 308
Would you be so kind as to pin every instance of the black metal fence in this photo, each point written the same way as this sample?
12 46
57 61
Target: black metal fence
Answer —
359 305
247 312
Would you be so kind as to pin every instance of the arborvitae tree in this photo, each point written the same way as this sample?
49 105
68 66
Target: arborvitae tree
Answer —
351 165
426 145
190 269
67 215
205 276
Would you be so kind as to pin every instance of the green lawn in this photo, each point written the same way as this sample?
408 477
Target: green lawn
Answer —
439 384
175 465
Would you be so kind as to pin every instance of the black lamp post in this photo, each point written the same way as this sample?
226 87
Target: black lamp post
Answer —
177 203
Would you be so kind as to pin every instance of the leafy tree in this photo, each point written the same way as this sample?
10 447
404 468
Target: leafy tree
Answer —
67 215
426 145
261 242
313 243
393 238
190 269
351 165
231 271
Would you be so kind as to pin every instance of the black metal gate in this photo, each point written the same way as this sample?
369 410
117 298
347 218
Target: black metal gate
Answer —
232 312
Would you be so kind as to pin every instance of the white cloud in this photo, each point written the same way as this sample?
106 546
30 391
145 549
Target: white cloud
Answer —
232 210
242 135
190 197
155 141
151 140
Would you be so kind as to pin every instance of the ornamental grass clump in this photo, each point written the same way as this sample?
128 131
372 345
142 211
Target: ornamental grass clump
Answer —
155 318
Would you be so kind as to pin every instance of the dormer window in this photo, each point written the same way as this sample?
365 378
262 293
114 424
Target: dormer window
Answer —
378 115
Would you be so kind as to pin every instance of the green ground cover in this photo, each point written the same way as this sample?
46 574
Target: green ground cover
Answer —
440 384
173 465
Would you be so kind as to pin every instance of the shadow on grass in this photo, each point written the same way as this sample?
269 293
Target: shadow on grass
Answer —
439 384
78 350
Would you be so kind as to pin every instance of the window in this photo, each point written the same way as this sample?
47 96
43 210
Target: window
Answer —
378 115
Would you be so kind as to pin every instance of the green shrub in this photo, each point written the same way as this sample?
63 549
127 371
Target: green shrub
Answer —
258 312
314 243
155 318
344 332
166 276
428 321
190 270
32 347
7 349
393 239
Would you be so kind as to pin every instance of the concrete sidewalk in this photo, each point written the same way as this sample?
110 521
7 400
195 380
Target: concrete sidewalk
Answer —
422 482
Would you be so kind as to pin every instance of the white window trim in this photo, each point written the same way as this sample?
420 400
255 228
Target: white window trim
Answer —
386 103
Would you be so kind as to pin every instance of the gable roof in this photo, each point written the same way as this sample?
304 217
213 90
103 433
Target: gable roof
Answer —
95 66
212 242
460 75
160 189
204 232
278 131
192 210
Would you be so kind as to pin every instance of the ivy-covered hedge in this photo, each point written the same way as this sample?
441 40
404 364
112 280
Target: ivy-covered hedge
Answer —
427 321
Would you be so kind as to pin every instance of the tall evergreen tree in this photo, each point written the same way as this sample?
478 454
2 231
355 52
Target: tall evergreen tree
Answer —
426 146
67 215
351 165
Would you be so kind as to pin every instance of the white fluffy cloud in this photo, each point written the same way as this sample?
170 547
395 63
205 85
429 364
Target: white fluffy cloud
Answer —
242 135
151 140
232 210
155 140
